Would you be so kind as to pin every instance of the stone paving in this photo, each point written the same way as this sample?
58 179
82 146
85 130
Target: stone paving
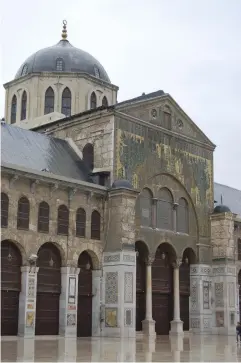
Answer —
51 349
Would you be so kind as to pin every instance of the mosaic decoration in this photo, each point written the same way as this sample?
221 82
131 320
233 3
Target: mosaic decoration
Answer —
220 319
128 317
231 294
31 287
111 287
111 317
112 258
128 286
195 323
30 319
71 319
205 294
218 287
30 306
194 294
128 258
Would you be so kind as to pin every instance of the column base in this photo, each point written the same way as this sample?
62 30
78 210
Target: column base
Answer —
149 328
176 328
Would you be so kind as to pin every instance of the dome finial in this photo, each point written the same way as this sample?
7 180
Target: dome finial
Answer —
64 31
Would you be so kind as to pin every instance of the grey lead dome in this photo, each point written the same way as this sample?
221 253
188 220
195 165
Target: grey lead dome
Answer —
221 209
74 60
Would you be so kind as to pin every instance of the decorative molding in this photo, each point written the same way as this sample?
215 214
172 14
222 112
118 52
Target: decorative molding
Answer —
218 288
71 319
195 323
111 320
194 294
111 287
128 317
112 258
128 258
206 294
31 287
128 287
231 294
206 323
218 270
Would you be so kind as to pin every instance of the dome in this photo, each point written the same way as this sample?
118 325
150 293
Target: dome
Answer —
62 57
121 183
221 209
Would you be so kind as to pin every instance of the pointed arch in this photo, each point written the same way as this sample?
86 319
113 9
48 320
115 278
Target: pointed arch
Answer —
13 109
24 106
93 101
66 102
4 209
95 225
88 156
104 102
23 213
49 101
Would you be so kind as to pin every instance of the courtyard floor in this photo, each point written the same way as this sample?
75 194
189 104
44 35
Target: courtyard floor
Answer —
52 349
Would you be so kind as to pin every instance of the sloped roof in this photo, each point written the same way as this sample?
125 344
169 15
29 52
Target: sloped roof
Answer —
228 196
40 152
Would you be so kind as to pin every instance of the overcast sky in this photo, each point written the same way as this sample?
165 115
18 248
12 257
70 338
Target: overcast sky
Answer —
189 48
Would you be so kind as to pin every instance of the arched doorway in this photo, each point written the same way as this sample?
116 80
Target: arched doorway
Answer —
11 262
48 290
142 254
162 288
188 258
84 315
239 283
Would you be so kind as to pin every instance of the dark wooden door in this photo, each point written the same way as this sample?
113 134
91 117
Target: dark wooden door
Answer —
11 262
84 315
140 291
184 278
162 294
48 290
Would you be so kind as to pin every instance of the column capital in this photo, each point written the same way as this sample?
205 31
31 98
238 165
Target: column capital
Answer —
177 263
150 259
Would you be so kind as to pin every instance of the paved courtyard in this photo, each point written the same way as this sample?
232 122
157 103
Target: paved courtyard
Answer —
52 349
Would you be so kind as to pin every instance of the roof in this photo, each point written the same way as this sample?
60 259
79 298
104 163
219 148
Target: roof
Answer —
231 197
74 60
40 152
143 97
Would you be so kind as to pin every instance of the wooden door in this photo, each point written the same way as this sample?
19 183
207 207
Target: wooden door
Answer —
84 315
162 294
48 290
140 291
11 262
184 278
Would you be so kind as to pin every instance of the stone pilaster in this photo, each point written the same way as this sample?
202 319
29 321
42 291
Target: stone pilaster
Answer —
27 302
96 302
119 297
68 302
200 305
224 287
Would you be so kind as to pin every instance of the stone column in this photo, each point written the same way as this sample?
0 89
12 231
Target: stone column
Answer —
96 302
27 302
148 325
176 323
67 349
26 350
68 302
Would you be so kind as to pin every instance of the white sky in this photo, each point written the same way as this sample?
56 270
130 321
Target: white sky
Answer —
189 48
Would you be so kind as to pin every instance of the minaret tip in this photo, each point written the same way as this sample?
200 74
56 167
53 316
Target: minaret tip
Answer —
64 31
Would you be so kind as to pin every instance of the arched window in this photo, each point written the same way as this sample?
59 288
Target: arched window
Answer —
13 109
167 117
95 225
239 249
165 209
59 64
24 70
24 106
63 220
43 217
80 222
49 101
93 101
88 156
4 210
23 213
182 216
104 102
145 208
66 102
